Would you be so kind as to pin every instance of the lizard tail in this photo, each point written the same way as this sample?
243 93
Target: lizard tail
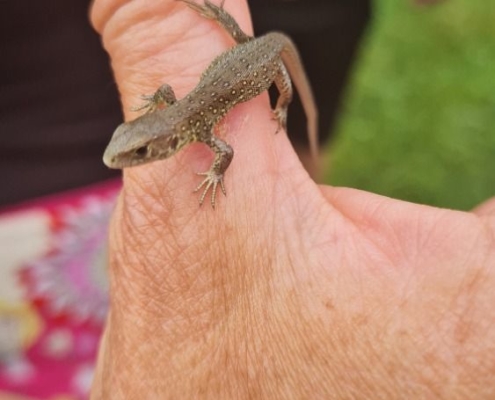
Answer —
292 61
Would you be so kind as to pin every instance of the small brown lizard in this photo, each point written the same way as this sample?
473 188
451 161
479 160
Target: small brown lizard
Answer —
235 76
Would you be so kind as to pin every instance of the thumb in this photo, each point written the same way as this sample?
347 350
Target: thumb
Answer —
175 269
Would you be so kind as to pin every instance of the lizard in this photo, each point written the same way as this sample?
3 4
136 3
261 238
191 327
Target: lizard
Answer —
235 76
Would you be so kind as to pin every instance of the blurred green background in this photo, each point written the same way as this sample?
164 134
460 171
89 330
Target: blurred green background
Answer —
418 122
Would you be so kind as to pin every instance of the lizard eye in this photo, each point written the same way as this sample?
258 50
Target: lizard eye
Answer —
141 151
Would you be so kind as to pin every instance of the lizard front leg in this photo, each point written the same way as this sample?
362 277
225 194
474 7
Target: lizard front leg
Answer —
164 96
214 176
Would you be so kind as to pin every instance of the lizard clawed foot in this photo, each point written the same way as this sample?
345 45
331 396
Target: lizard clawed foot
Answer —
222 17
280 115
208 10
148 104
212 180
164 96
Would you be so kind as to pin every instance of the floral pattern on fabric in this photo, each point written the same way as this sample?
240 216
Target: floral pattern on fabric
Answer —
53 299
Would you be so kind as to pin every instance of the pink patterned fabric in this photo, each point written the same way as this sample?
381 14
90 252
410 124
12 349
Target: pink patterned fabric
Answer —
53 292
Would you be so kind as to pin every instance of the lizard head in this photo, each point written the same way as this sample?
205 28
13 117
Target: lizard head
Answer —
143 140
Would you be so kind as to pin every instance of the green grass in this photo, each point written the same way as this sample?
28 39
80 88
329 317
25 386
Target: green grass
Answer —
419 118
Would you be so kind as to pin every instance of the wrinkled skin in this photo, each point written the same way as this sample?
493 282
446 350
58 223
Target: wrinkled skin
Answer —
288 290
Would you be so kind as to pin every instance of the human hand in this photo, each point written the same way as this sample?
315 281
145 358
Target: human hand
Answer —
287 290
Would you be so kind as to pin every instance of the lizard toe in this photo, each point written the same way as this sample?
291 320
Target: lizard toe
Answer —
211 180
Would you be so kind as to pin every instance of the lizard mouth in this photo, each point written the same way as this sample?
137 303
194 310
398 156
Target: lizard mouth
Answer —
110 159
118 160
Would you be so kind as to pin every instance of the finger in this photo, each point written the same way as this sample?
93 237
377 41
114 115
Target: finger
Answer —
487 208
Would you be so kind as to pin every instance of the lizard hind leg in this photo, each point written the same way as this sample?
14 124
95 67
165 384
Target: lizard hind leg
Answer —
222 17
164 96
284 86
